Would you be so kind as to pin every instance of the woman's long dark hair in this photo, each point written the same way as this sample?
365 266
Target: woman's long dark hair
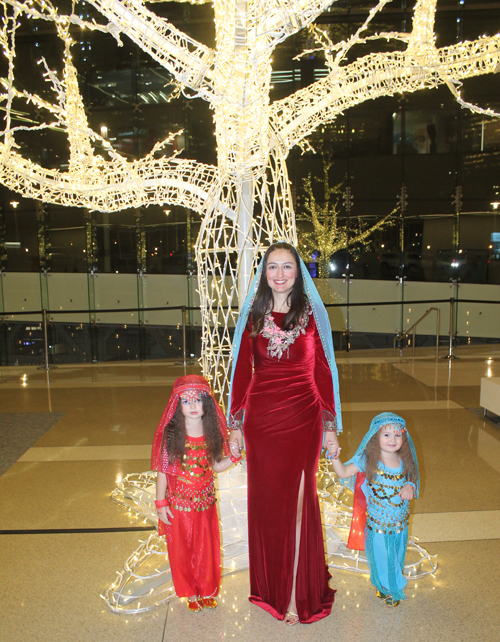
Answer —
174 433
264 297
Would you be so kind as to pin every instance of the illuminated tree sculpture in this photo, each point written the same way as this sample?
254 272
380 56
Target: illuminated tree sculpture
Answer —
245 201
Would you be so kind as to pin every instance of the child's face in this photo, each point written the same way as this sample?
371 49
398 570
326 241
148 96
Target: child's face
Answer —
192 408
391 439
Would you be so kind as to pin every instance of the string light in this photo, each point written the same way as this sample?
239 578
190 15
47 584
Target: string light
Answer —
246 200
146 573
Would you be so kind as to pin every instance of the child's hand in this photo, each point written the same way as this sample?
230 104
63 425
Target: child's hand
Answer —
333 451
406 492
164 513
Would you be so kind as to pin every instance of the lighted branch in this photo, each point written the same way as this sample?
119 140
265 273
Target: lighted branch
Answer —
283 19
376 75
246 200
189 62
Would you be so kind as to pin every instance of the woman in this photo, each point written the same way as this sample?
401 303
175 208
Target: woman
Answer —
284 396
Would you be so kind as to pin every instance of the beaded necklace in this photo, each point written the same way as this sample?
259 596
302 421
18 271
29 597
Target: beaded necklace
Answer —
281 340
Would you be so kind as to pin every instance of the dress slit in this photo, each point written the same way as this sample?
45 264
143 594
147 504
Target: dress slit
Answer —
298 536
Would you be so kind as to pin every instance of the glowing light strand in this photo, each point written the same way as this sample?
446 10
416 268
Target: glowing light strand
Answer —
246 200
145 580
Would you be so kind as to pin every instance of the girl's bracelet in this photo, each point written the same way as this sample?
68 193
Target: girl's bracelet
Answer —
235 460
414 486
160 503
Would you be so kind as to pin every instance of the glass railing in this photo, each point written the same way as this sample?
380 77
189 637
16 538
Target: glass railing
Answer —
54 337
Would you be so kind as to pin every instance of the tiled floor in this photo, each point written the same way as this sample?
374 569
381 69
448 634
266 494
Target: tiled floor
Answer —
62 539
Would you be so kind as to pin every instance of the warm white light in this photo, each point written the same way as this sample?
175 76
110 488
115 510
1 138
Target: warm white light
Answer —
246 200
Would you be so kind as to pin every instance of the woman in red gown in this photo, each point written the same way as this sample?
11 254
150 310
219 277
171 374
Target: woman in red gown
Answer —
282 386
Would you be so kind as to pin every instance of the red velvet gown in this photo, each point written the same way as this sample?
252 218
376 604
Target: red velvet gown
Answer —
283 401
193 539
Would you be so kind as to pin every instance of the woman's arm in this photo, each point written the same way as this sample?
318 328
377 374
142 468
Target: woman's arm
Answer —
324 384
239 390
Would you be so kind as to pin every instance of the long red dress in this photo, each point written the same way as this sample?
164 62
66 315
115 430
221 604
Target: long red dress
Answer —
193 539
283 401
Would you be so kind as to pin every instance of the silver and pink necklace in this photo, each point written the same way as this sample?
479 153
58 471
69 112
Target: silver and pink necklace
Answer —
281 340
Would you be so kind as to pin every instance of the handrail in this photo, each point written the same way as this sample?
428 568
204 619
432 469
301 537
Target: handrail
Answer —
235 308
401 335
452 302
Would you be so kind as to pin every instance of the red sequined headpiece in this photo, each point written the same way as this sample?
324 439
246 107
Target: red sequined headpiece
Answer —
187 387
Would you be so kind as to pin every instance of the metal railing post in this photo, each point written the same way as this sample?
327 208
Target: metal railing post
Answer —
184 347
438 319
45 339
450 354
47 366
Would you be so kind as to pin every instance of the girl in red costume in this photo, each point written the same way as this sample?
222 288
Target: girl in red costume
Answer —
189 444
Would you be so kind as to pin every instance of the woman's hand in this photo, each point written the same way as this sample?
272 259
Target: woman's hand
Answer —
331 443
235 442
164 513
406 492
333 453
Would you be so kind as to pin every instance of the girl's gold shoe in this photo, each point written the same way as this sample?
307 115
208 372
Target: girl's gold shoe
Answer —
195 606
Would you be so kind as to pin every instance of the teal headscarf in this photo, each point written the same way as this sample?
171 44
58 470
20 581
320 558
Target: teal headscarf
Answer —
383 419
322 323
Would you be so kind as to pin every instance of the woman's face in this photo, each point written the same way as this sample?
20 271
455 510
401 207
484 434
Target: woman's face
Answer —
281 271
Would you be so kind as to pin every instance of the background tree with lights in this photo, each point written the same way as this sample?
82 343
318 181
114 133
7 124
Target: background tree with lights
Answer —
329 231
245 199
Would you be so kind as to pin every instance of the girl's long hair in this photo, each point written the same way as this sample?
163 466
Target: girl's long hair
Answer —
372 457
174 433
264 297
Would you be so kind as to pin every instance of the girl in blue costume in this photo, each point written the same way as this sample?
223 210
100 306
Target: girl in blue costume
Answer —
387 478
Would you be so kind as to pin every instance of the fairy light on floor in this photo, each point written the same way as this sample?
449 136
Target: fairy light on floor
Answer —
146 577
245 201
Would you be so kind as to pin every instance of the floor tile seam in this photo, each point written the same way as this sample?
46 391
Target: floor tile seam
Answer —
453 540
91 384
76 531
446 404
462 512
151 363
419 360
60 454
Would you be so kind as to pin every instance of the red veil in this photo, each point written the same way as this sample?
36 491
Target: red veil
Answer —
187 386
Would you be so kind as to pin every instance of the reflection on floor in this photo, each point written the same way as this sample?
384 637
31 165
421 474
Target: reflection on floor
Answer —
62 539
